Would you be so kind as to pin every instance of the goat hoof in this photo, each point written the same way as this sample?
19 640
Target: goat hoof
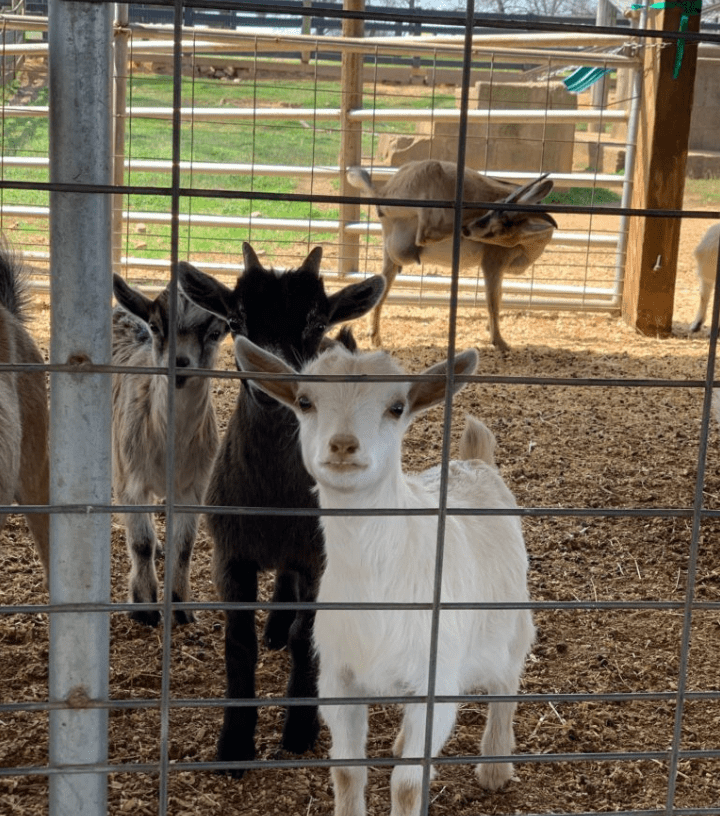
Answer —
301 737
493 776
695 326
229 751
277 629
151 618
181 617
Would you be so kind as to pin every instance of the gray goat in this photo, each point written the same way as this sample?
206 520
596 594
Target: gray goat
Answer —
141 335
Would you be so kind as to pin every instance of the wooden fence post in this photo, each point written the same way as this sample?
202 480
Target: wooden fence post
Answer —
351 83
659 178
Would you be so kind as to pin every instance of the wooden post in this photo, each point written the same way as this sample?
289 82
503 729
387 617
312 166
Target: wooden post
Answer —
351 83
659 178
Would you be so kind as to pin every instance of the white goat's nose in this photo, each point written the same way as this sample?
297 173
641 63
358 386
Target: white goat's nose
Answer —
344 444
182 362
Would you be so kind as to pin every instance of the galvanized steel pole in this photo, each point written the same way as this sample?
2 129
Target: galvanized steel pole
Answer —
80 72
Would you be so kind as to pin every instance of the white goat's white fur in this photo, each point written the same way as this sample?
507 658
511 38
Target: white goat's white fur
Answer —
706 258
351 435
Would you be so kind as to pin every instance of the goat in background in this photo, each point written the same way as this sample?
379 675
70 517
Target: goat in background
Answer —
706 259
499 241
141 335
259 465
351 436
24 421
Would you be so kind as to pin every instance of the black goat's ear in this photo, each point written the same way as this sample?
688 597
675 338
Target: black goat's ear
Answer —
424 394
204 291
250 258
255 360
355 300
312 262
131 299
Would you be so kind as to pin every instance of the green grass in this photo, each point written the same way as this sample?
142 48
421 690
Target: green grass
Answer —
583 196
274 142
707 189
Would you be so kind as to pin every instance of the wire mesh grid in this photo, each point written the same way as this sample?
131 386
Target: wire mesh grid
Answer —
591 737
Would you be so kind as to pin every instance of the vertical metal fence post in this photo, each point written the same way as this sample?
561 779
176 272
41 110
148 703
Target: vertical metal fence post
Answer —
80 60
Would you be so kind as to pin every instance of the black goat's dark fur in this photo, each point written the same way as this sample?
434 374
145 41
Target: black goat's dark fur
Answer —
259 465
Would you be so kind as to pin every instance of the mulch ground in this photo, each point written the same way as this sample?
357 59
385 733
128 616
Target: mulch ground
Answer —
559 446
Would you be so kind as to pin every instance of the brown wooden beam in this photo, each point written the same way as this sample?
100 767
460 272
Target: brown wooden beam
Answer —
659 178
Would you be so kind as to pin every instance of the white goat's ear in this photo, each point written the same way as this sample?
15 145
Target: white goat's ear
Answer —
425 394
131 299
253 359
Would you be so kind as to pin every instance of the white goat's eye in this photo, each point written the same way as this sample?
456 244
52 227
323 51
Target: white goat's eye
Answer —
304 404
214 336
397 409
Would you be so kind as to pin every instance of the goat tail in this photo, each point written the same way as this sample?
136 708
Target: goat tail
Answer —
477 441
13 286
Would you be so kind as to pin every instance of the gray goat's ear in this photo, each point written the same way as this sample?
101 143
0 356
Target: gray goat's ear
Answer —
424 394
355 300
204 291
131 299
253 359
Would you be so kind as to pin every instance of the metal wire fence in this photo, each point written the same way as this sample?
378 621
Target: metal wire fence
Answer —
86 686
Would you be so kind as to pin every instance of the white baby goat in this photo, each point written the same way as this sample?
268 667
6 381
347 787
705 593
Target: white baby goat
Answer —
499 241
351 435
141 337
706 258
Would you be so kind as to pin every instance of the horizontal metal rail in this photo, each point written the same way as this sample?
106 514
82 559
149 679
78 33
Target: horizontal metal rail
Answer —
606 241
316 171
495 116
521 48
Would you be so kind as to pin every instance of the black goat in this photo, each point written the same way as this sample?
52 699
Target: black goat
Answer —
259 465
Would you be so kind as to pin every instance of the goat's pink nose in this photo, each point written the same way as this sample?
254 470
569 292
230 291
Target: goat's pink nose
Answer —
344 444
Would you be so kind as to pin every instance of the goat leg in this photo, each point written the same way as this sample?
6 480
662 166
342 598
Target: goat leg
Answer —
302 724
184 541
492 273
279 621
237 737
141 545
390 272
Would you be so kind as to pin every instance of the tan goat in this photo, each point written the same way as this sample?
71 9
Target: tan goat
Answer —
497 240
24 457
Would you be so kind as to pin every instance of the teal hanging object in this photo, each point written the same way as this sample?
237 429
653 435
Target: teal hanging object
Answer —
582 78
689 8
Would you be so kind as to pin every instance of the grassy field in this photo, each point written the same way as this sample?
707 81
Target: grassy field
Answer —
275 142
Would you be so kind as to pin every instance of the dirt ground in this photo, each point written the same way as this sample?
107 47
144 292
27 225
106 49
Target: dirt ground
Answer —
559 446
